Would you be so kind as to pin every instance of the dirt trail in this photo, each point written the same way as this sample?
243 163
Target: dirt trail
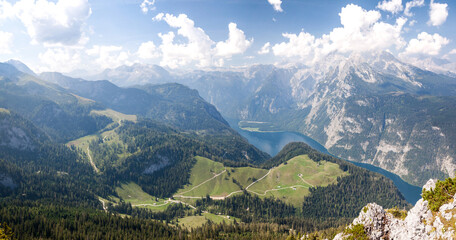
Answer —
180 194
91 161
238 191
259 179
306 182
277 189
105 208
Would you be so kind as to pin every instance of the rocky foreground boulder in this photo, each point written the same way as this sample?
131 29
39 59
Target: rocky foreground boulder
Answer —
434 218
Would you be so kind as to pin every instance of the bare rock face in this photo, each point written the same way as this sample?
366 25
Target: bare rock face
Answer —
420 223
430 184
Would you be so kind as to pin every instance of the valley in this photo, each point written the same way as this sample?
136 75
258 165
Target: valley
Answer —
220 120
162 155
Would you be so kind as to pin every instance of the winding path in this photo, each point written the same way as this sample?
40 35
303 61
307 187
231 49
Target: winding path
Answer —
91 161
166 202
105 208
259 179
306 182
239 191
216 175
277 189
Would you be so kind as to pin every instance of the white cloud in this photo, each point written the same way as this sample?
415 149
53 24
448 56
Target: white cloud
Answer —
355 18
301 45
50 22
452 52
94 59
147 5
426 44
276 4
6 40
362 31
6 10
199 48
412 4
393 6
438 13
60 59
235 44
148 50
108 56
265 49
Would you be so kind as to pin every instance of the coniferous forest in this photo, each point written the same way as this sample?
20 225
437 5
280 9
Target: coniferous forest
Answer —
66 182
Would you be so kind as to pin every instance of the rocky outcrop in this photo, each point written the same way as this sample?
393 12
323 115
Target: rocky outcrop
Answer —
420 222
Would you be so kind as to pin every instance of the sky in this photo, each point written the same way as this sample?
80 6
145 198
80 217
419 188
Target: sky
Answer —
92 35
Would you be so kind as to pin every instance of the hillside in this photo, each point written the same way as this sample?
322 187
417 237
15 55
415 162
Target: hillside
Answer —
61 115
178 170
171 103
289 182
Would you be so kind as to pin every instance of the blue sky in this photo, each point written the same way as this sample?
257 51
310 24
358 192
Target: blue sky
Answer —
67 35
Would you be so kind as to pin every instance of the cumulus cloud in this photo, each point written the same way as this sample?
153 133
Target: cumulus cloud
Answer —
265 49
148 50
199 47
108 56
60 59
362 31
6 10
412 4
301 45
393 6
50 22
235 44
426 44
438 13
147 5
6 40
94 59
276 4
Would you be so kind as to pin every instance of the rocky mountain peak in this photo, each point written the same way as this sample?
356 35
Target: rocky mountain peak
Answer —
420 222
20 66
136 74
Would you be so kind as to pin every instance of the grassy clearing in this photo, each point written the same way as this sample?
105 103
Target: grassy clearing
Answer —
115 116
210 177
246 175
132 193
290 181
108 136
198 221
294 196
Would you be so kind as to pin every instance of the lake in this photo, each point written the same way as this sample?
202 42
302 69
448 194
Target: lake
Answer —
273 142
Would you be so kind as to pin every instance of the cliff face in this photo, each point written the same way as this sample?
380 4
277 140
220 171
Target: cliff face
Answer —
419 223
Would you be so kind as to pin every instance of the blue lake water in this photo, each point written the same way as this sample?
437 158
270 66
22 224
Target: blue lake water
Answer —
273 142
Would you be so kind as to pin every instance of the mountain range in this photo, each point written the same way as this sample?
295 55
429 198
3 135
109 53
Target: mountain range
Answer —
158 151
370 108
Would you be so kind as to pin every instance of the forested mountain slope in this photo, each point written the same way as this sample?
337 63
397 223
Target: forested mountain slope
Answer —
138 164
